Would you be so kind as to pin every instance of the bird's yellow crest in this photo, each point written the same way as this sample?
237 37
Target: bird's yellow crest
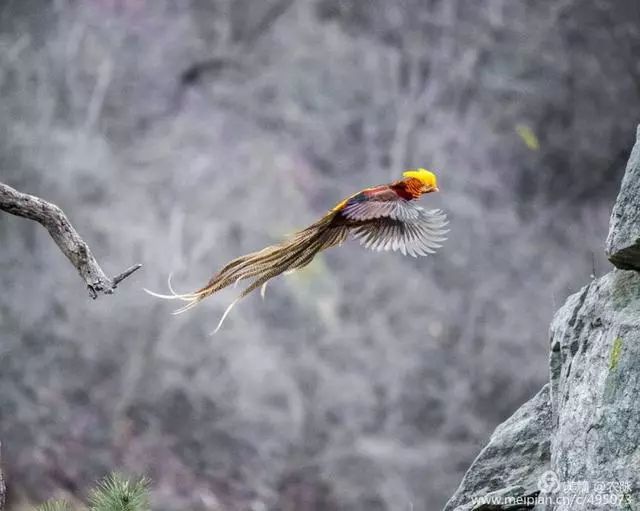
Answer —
423 175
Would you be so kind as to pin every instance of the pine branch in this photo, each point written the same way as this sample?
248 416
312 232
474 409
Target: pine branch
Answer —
54 505
115 493
52 218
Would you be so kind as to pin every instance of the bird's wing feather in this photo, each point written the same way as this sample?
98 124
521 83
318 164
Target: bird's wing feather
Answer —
407 228
378 203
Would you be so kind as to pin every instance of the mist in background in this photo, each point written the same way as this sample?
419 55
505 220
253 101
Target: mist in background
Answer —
184 134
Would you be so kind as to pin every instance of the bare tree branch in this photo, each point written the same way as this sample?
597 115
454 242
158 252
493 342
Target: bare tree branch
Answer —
52 218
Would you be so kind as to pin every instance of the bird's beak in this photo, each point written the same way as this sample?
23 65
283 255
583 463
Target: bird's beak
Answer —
435 189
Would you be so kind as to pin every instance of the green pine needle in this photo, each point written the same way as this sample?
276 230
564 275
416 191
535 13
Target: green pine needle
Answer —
116 493
54 505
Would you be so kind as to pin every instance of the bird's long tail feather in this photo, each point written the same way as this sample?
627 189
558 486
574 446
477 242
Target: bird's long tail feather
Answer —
263 265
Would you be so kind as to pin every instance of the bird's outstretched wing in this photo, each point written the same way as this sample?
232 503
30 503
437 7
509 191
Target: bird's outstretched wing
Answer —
381 218
383 221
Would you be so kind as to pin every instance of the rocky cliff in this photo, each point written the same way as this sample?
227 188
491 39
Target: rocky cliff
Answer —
575 444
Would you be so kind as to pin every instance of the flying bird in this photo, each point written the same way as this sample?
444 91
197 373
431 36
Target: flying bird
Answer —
383 217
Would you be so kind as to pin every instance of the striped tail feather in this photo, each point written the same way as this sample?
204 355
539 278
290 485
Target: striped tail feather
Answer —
301 257
263 265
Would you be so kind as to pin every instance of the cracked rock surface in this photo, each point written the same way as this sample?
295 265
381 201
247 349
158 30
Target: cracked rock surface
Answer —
623 242
578 439
595 384
513 461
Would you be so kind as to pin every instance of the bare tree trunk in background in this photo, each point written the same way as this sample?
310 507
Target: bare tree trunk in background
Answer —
52 218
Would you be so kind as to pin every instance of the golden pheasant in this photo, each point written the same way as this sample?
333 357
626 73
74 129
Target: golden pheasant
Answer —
381 218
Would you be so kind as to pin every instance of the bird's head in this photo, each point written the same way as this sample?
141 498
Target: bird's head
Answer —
426 178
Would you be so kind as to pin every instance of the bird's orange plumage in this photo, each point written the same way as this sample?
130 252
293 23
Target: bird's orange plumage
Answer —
381 218
409 188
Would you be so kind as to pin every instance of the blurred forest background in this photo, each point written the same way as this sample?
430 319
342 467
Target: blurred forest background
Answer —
183 134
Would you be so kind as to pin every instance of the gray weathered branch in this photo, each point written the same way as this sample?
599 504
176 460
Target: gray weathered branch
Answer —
52 218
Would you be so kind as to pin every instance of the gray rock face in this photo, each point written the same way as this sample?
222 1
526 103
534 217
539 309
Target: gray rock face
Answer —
513 461
623 243
576 444
595 384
